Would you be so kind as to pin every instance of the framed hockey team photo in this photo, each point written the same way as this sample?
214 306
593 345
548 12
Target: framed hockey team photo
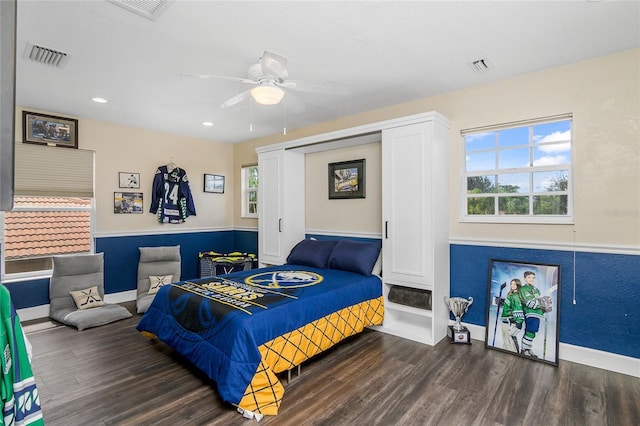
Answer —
127 202
522 309
44 129
129 180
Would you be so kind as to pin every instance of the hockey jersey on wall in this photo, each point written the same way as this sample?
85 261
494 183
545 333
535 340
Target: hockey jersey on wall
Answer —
171 196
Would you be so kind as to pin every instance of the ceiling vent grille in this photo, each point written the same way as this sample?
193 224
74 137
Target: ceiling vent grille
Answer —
150 9
46 55
481 65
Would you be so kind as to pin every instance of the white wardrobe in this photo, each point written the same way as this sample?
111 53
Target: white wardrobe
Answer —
415 212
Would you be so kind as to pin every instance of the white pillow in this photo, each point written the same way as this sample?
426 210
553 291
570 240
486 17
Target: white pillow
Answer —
87 298
158 281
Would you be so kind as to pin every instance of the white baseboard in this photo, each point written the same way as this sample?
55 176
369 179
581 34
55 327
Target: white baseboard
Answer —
33 313
600 359
42 311
586 356
120 297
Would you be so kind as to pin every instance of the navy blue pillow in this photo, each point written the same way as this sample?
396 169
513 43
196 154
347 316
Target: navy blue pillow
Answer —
354 256
311 253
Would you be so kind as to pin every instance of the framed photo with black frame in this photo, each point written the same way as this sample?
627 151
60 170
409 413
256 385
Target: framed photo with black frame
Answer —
522 309
347 179
214 183
127 202
43 129
129 180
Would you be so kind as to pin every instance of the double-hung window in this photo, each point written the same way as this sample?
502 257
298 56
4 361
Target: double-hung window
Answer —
520 172
250 191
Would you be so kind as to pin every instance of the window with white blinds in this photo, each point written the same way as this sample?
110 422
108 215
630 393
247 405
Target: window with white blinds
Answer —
53 209
53 171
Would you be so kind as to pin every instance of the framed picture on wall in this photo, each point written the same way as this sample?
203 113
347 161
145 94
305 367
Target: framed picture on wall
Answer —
129 180
127 202
214 183
347 179
522 309
50 130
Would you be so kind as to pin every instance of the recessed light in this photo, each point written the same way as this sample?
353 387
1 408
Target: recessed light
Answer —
207 124
99 100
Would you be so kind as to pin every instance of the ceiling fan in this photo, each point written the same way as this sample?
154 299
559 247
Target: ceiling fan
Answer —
269 78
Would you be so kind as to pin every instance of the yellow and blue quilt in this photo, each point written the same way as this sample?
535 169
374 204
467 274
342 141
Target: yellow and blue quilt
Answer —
243 328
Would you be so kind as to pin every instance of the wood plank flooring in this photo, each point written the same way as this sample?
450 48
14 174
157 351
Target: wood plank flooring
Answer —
112 375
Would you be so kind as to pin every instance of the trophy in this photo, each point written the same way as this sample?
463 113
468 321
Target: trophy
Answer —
457 332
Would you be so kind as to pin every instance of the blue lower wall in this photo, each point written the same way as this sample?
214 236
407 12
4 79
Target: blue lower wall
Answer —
121 254
607 292
121 257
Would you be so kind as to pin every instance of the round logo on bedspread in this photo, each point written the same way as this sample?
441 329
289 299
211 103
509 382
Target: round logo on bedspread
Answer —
284 279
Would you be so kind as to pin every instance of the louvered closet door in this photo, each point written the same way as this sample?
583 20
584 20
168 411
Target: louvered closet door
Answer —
406 194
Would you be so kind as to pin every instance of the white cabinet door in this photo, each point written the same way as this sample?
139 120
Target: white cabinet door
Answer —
281 204
270 171
406 195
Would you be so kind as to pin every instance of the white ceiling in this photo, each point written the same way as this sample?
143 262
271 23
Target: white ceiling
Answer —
383 53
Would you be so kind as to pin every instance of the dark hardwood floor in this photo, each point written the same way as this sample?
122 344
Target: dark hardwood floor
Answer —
112 375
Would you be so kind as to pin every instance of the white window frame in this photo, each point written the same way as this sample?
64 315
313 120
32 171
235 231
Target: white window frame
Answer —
512 218
246 192
46 273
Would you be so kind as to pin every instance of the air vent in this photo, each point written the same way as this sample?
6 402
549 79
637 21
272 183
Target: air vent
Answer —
150 9
481 65
46 55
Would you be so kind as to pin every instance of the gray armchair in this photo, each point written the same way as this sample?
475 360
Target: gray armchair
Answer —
81 277
155 262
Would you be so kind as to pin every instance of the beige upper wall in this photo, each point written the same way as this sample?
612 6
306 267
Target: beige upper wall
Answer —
358 215
127 149
604 96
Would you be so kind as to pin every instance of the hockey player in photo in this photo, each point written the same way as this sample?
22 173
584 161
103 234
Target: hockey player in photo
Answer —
533 313
171 197
512 317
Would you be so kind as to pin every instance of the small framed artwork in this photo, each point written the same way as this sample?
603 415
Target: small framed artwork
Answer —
522 309
214 183
127 202
49 130
347 179
129 180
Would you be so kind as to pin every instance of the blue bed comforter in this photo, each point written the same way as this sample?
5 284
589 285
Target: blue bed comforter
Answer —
219 323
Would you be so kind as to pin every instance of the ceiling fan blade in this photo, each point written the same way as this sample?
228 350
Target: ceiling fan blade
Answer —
327 87
274 66
225 77
286 84
236 99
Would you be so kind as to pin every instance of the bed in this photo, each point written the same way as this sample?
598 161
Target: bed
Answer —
243 328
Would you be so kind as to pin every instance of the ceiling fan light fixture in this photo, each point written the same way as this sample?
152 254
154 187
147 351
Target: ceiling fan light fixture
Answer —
267 94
